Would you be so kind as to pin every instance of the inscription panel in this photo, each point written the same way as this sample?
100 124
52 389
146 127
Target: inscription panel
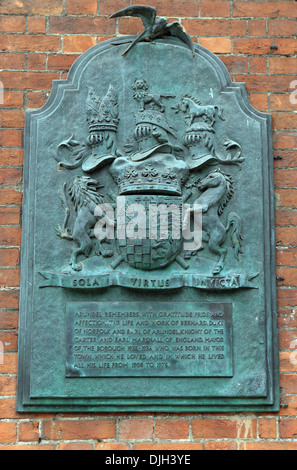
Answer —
156 339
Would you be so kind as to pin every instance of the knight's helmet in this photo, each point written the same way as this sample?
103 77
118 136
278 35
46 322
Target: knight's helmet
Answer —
152 129
103 120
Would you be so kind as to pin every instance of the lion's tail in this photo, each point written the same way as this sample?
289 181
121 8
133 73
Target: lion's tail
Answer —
66 205
234 221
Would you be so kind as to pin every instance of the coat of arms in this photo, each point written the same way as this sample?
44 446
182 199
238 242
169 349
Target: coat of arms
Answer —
135 171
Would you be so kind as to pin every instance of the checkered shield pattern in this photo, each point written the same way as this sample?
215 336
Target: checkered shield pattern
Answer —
153 253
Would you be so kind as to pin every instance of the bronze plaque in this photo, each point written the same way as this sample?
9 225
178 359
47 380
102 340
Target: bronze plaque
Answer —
148 253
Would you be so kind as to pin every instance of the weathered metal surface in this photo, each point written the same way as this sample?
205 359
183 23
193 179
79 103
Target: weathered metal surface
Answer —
161 126
155 339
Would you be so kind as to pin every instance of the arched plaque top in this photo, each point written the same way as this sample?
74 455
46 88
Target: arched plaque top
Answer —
148 258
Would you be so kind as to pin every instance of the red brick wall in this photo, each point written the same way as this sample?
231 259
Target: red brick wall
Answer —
39 40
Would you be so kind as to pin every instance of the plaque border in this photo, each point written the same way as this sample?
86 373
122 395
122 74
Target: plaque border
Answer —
25 401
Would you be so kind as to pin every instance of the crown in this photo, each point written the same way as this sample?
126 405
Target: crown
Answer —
102 114
161 174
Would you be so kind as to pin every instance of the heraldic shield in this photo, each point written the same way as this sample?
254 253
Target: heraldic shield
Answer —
147 216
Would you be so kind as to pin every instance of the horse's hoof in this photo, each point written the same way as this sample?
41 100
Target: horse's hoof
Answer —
217 270
77 267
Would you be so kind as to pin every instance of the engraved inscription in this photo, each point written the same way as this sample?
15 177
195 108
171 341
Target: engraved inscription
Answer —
186 339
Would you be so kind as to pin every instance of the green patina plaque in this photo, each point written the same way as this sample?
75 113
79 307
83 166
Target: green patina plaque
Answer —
155 339
148 259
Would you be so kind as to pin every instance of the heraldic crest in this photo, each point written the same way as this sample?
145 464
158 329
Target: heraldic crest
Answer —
150 153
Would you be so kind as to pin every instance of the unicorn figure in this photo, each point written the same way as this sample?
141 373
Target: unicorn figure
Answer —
217 190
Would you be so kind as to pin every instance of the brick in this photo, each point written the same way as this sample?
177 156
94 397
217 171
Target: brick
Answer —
75 446
288 428
285 46
288 159
257 28
215 9
172 429
286 359
61 62
287 297
130 26
10 277
224 429
9 320
10 341
8 386
168 446
36 25
286 257
258 65
108 7
35 7
81 7
287 318
78 430
12 24
14 99
8 410
9 299
77 43
259 101
12 118
271 446
281 103
288 383
12 61
8 432
9 257
35 43
136 429
285 178
235 65
285 121
287 339
273 83
30 447
217 45
285 140
267 9
287 198
10 236
213 27
10 196
9 367
290 274
83 25
10 176
29 431
103 38
37 62
11 157
107 446
11 138
211 445
289 402
282 27
30 80
36 99
283 65
167 7
8 407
